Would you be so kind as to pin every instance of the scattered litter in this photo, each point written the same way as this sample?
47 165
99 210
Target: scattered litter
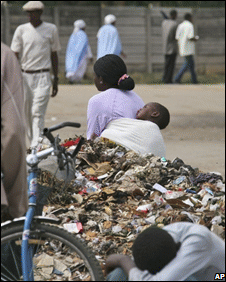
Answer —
160 188
179 180
116 194
73 227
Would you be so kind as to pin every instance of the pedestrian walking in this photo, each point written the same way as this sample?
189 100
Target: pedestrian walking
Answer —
14 200
36 45
186 42
78 53
108 39
170 47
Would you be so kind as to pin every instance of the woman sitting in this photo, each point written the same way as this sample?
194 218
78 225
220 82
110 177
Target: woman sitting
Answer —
116 100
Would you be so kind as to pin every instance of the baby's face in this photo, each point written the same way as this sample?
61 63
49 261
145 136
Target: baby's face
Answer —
145 112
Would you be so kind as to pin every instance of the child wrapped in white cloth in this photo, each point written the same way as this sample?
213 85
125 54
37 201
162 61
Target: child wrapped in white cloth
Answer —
142 134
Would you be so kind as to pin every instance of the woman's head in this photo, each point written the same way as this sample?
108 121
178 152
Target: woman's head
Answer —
110 72
153 249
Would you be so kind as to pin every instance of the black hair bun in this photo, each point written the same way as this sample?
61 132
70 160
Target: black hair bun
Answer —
126 84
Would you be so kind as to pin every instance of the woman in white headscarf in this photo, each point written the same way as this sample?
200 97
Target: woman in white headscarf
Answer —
77 54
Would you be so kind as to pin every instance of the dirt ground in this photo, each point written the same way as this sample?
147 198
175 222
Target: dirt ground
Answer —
196 132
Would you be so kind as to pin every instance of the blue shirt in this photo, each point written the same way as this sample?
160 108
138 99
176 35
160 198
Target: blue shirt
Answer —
76 50
108 41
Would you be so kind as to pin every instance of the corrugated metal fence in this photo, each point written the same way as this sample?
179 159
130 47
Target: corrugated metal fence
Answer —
139 29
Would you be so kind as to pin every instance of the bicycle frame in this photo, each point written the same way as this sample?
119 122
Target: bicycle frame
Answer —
27 251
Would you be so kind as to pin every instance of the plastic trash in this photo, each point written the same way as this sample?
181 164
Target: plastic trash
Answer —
116 229
159 200
80 179
92 186
144 208
188 202
159 188
194 218
119 154
209 191
221 186
205 199
173 194
179 180
216 220
191 191
75 227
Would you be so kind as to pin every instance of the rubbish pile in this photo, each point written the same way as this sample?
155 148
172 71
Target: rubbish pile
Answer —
116 194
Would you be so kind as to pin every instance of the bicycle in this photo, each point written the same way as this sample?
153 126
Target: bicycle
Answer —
35 248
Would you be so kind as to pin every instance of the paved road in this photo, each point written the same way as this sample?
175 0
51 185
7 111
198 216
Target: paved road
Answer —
196 133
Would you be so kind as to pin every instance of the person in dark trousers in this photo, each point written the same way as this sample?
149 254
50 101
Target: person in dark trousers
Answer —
180 251
170 47
186 43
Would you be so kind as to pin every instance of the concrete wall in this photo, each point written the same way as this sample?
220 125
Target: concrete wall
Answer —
140 31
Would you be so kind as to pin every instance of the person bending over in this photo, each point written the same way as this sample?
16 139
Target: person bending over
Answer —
181 251
142 134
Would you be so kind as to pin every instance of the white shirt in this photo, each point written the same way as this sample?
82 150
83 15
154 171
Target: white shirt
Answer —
141 136
201 254
35 45
185 31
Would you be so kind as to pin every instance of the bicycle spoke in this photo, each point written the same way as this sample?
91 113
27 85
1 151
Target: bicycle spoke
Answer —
10 273
56 255
15 260
9 261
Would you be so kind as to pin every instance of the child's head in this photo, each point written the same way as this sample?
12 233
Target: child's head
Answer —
153 249
156 113
111 70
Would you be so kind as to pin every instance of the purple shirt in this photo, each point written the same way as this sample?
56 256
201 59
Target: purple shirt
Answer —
109 105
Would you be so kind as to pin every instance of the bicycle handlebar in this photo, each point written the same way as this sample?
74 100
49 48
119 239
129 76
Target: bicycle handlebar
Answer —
49 135
64 124
47 131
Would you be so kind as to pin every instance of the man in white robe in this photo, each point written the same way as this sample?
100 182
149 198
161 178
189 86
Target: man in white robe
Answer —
108 39
78 53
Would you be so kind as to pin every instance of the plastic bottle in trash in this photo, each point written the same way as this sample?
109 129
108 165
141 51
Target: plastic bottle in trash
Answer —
92 186
80 179
179 180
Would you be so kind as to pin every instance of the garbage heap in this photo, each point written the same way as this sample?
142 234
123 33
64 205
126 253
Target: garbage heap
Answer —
117 193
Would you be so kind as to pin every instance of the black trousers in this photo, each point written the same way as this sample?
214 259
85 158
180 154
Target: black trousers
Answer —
169 68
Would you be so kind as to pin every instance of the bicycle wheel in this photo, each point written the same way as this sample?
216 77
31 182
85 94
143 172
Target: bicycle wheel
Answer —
59 255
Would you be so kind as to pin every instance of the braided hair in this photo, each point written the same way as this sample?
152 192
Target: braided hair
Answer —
113 71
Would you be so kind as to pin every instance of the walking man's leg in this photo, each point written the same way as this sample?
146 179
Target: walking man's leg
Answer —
172 65
166 69
191 66
40 102
182 70
28 101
